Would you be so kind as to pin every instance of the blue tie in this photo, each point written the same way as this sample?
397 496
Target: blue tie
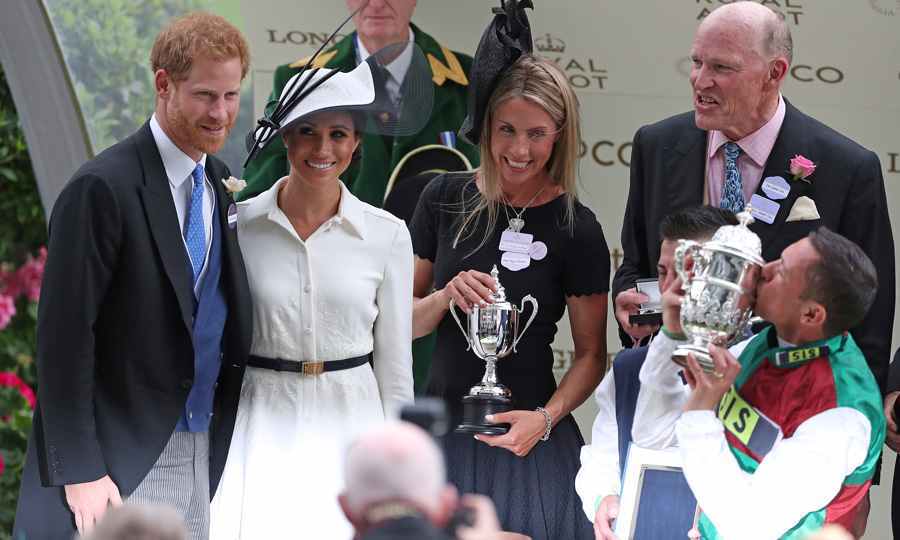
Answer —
732 194
194 232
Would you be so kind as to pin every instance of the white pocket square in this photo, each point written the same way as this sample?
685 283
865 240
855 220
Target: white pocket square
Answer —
804 209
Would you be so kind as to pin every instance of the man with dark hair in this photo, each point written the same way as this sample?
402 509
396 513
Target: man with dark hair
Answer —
144 323
602 461
745 143
784 435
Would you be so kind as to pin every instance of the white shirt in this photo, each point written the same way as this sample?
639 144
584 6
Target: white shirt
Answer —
801 474
599 473
396 69
179 167
343 292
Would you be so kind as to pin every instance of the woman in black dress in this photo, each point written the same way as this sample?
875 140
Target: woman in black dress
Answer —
529 142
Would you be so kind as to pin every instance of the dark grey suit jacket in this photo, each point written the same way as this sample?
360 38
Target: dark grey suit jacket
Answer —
668 164
114 352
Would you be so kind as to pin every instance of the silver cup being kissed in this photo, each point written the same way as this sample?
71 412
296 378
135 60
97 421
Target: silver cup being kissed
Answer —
493 333
719 281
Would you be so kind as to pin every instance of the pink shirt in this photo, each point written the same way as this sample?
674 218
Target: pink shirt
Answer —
755 150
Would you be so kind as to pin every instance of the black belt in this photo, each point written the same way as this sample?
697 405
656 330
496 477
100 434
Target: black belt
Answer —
307 367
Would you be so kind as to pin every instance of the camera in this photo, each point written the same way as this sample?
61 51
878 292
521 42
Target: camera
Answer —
429 414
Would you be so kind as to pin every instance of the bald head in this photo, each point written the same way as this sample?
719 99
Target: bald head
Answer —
395 462
765 31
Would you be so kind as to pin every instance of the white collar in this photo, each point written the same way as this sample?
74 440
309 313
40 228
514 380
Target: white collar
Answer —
179 165
399 66
351 210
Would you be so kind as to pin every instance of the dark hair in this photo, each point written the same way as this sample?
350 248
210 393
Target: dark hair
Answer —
843 280
695 223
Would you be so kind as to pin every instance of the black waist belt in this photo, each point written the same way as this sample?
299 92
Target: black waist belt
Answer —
307 367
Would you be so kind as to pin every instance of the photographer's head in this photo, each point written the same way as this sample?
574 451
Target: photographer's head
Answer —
394 471
698 223
821 286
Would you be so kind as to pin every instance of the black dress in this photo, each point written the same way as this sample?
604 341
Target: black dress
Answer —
534 495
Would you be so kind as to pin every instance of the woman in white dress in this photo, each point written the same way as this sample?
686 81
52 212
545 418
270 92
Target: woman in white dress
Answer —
331 280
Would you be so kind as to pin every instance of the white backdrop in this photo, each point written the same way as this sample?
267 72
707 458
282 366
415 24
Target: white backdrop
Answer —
629 62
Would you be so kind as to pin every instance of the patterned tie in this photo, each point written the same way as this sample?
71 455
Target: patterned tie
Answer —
194 233
732 194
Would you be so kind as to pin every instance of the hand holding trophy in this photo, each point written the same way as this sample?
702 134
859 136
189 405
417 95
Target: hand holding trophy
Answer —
493 333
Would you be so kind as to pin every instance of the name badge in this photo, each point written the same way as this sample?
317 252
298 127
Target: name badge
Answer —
763 209
538 250
776 188
232 216
798 357
515 261
515 242
747 424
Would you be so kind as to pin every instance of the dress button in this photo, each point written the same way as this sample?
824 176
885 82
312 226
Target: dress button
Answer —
307 330
190 415
307 289
187 383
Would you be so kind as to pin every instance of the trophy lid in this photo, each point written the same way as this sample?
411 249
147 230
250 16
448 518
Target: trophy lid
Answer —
739 239
498 297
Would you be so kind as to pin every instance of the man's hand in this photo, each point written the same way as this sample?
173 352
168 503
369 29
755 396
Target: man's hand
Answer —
671 305
707 389
485 524
88 501
606 513
628 302
892 438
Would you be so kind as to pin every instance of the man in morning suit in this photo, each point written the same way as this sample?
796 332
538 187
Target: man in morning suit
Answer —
736 147
144 322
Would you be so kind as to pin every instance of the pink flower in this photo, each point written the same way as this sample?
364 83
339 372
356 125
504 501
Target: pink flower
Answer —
9 282
2 465
802 167
8 379
7 310
30 275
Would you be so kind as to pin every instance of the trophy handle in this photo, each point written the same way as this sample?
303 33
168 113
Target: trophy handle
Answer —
459 324
684 248
534 310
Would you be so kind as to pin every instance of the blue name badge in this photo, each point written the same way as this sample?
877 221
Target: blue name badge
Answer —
776 188
763 209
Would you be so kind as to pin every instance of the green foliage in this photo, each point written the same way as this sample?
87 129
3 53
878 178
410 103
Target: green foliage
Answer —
22 232
106 45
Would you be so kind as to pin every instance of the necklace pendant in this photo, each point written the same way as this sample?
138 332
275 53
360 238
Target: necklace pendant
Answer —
516 224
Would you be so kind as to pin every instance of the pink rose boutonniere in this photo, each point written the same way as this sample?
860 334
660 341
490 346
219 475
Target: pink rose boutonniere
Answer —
802 168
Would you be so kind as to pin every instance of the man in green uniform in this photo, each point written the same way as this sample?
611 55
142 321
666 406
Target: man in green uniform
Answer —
378 24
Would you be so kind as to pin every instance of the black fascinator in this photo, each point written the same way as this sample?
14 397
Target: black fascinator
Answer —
506 39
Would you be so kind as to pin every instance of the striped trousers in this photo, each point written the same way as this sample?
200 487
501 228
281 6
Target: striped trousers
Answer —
180 479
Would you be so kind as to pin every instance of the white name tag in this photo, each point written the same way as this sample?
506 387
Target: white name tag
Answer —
515 261
776 188
763 209
515 242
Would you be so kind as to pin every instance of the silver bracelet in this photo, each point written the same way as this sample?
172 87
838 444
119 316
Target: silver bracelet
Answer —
549 421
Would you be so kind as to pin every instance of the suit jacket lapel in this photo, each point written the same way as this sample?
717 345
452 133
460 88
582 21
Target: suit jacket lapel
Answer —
686 169
790 142
160 208
234 275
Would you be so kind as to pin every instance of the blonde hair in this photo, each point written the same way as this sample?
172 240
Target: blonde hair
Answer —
541 82
196 35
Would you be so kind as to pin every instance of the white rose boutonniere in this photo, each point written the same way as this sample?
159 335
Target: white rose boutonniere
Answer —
234 185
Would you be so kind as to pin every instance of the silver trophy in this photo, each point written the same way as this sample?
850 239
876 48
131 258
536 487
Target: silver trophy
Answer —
493 332
719 281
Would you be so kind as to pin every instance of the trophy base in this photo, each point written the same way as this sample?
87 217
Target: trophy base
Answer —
476 407
700 354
